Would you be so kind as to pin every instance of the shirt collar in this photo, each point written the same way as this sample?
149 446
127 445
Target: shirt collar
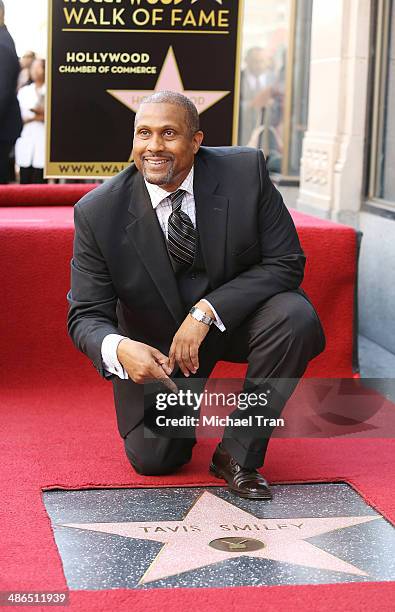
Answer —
157 194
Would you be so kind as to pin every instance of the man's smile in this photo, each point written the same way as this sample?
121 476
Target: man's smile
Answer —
156 162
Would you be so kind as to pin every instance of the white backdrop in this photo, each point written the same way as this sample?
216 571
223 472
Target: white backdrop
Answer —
27 23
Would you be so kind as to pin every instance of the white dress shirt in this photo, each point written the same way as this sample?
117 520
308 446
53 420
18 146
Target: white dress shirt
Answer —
161 203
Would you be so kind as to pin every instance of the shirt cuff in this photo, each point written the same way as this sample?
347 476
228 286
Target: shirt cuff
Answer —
109 355
217 320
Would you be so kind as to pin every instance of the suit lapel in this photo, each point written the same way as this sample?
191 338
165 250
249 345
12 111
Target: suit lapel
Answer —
147 236
211 220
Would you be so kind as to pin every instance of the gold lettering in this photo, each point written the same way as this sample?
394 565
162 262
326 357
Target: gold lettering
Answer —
175 15
223 19
117 16
207 19
96 1
89 16
189 19
141 17
157 16
175 2
72 15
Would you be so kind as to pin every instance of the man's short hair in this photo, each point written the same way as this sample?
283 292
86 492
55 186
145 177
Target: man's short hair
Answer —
172 97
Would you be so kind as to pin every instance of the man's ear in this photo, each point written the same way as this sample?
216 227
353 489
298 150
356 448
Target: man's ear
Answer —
197 140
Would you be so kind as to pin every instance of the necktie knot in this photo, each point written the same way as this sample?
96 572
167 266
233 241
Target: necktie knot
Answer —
176 199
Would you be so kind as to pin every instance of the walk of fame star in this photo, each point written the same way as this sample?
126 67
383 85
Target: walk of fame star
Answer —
206 536
169 79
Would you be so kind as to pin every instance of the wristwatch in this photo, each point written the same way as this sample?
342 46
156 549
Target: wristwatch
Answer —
201 316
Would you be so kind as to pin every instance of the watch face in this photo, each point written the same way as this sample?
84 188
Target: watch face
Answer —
199 315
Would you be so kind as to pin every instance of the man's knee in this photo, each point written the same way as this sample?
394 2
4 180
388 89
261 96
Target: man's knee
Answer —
289 319
151 461
300 322
152 466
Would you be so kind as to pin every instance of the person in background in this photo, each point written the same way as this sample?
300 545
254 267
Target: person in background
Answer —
30 147
255 91
10 114
26 63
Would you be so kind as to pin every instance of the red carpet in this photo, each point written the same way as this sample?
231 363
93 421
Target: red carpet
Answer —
63 435
58 426
43 195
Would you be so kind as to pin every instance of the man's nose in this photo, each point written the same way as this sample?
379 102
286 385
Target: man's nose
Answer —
155 143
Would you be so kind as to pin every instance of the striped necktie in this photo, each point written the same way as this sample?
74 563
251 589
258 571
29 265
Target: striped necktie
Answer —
181 234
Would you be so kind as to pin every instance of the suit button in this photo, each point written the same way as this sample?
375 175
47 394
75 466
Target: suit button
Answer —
193 276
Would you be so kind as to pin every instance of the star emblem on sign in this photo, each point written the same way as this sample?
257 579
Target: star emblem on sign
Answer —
215 530
169 79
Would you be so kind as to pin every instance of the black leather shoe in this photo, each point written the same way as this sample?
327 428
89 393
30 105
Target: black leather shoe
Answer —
244 482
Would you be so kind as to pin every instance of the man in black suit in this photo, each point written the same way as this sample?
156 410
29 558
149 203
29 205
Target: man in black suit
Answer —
10 114
187 257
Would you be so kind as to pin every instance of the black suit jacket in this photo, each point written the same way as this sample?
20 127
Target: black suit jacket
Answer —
10 114
122 280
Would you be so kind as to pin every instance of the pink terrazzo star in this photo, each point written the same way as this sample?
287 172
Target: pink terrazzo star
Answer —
186 543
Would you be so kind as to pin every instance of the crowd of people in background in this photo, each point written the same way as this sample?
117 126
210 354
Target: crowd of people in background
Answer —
22 98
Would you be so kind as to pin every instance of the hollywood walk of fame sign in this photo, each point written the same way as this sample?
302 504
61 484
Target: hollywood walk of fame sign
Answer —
105 58
215 530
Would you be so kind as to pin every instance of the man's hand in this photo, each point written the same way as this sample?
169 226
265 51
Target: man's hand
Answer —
145 363
186 343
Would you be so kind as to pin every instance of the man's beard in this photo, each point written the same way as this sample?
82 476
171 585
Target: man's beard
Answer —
159 179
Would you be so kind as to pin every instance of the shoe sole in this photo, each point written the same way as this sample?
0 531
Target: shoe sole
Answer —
219 475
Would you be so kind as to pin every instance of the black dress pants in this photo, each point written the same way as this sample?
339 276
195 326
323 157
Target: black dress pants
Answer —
5 150
277 342
31 175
